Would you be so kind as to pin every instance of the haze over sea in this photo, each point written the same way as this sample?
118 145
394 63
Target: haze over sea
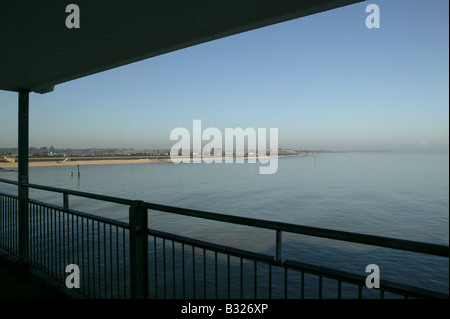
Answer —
396 195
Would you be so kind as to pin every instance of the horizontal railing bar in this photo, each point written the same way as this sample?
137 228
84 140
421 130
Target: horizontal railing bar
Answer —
348 277
9 195
82 214
104 198
326 272
394 243
7 181
414 246
214 247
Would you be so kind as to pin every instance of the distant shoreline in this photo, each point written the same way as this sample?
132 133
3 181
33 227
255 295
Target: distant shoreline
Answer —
83 162
122 160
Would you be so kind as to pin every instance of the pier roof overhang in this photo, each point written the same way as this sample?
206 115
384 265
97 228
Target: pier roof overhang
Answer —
38 51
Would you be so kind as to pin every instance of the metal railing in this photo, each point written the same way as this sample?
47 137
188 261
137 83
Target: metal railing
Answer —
131 260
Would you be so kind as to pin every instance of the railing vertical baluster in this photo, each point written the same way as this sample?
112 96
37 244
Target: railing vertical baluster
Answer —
242 278
7 225
10 238
255 288
16 230
2 213
138 251
193 269
173 269
69 261
13 228
117 262
82 254
99 261
11 232
73 241
228 276
88 255
124 264
63 214
302 290
204 273
164 268
38 237
52 243
111 259
44 238
285 283
155 255
270 281
88 259
339 289
2 230
65 210
78 243
320 286
104 259
37 233
11 235
46 242
30 233
216 277
44 209
41 237
60 271
49 240
2 223
5 222
30 223
183 271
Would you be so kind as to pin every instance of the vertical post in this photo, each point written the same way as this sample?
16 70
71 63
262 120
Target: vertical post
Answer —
138 251
278 246
23 173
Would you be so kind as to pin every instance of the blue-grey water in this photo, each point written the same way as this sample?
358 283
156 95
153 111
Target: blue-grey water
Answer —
396 195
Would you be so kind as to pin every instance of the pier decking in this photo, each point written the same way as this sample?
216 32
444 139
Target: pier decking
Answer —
17 283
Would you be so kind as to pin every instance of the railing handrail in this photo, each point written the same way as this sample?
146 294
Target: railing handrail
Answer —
77 213
387 242
8 181
380 241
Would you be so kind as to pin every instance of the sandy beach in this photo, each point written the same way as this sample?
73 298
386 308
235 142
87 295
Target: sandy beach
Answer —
9 165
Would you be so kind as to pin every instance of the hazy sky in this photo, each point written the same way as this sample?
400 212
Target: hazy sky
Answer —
325 81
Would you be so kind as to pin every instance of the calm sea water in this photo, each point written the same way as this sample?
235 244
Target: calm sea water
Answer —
403 196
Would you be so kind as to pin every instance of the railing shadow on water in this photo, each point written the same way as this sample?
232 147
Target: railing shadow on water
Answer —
183 267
